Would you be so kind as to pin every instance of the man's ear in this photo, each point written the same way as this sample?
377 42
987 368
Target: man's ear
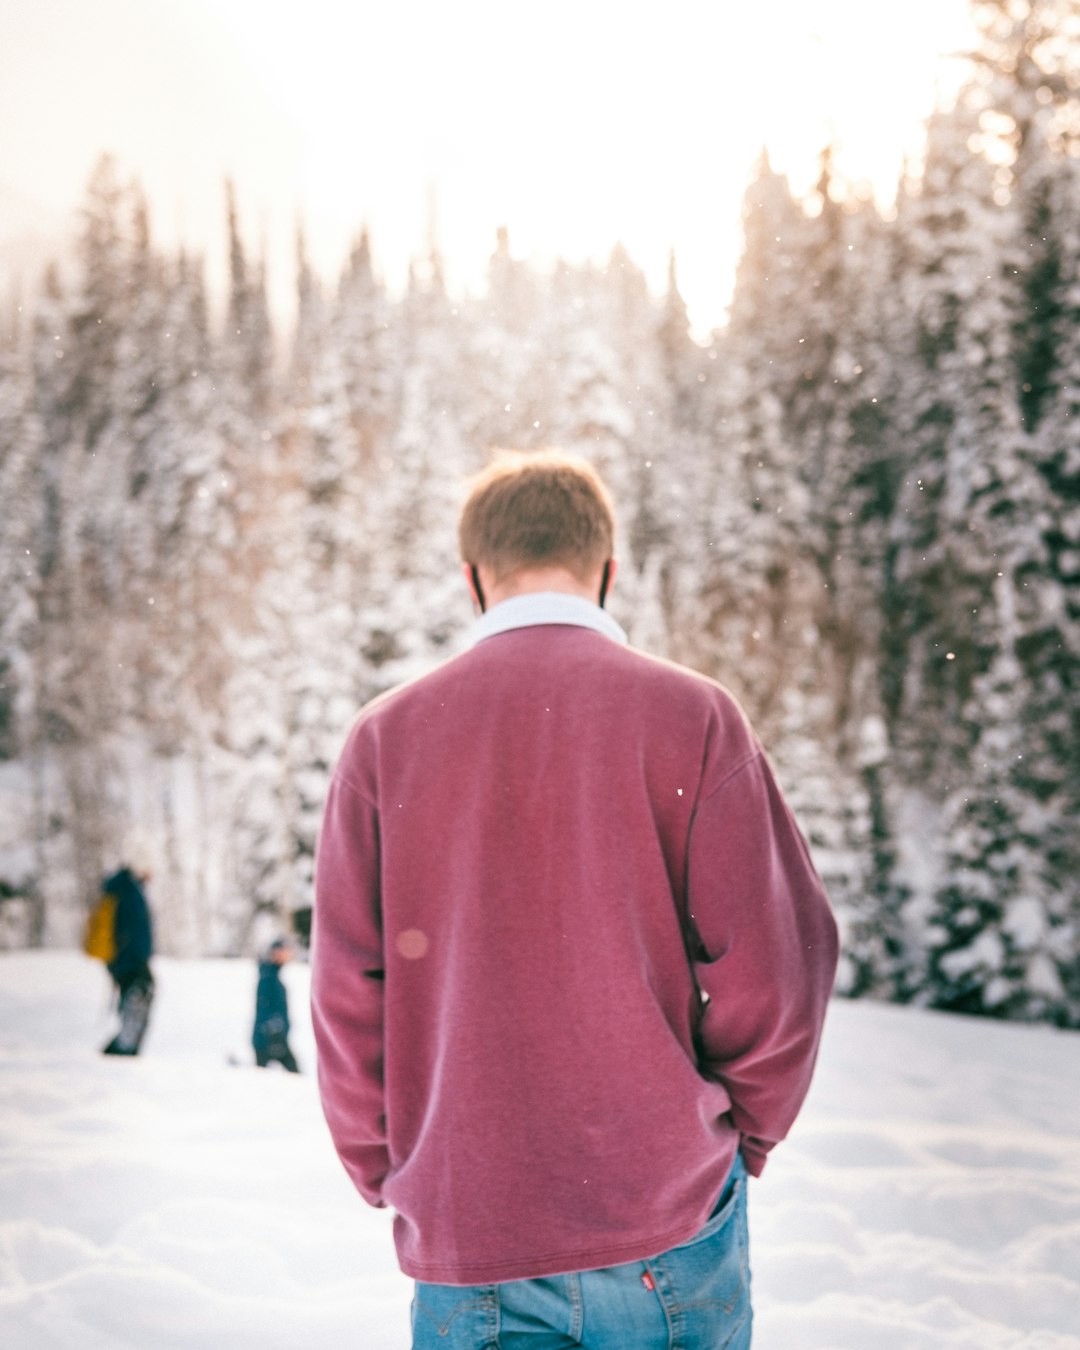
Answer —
607 579
472 579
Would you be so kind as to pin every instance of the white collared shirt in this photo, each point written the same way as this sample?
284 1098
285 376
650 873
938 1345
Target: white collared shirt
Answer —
545 607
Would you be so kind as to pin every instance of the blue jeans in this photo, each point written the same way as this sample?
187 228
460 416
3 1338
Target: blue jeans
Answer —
693 1297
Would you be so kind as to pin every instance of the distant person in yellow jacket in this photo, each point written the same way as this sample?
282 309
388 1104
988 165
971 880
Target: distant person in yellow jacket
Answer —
120 933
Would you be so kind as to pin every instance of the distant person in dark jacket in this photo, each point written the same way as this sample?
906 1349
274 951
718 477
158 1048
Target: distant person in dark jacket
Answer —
270 1036
130 966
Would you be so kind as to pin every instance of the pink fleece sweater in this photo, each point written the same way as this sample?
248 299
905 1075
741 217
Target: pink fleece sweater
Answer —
569 953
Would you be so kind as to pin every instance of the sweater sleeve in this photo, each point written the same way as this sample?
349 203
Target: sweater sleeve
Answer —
766 952
347 987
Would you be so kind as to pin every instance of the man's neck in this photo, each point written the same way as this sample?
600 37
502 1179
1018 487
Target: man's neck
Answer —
531 581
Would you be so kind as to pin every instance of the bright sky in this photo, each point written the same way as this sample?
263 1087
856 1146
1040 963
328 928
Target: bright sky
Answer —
576 124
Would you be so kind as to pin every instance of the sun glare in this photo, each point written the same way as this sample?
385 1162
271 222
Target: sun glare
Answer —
582 126
576 126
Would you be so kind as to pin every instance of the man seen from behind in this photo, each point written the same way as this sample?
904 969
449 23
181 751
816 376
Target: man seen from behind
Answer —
570 958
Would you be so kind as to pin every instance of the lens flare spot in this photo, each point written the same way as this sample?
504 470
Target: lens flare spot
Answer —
412 944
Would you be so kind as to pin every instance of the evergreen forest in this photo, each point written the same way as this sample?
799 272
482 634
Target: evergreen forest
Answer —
857 504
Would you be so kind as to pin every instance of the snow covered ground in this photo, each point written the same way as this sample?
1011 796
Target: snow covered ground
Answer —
929 1197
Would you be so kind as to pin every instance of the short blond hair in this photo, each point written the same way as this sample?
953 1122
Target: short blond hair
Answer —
538 509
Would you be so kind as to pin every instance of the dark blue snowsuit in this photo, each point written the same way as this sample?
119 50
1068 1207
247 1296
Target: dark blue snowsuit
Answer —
270 1036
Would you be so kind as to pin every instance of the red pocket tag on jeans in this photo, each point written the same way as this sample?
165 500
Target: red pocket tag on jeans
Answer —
648 1281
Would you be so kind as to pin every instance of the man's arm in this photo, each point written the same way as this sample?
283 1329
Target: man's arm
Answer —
347 987
766 951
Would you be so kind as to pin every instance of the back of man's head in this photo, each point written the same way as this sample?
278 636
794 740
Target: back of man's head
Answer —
538 510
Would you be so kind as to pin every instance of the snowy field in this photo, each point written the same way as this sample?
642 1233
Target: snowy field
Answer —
930 1196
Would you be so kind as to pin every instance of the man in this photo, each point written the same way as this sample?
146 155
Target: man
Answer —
570 958
133 947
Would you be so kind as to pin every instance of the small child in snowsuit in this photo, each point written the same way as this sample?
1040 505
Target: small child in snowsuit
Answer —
270 1036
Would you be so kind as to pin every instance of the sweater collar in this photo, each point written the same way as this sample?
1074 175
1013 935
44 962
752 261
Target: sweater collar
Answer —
545 607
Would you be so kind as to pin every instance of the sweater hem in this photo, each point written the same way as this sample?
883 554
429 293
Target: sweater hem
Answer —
554 1263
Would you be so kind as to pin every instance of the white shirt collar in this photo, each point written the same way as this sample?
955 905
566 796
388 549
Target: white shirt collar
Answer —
544 607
